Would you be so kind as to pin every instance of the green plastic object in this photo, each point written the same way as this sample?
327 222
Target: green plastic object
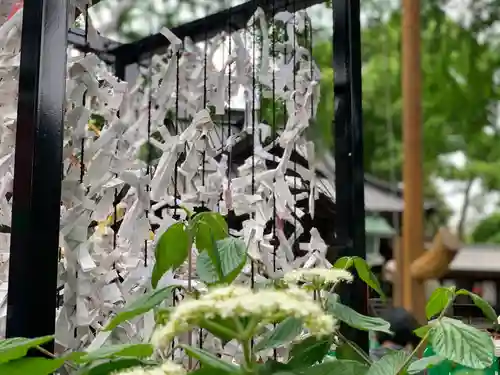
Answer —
450 368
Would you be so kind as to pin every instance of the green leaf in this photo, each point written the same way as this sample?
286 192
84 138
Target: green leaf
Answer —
366 274
120 350
424 364
282 334
141 305
31 366
233 257
205 269
208 227
309 351
208 359
488 311
468 371
18 347
422 331
344 263
271 367
171 251
206 370
355 319
438 301
111 366
336 367
389 364
346 351
461 343
205 242
217 223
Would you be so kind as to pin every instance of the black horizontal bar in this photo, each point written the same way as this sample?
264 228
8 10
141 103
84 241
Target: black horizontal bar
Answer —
207 27
76 37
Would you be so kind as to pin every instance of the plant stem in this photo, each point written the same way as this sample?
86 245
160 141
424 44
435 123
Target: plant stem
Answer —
358 351
249 331
53 356
247 355
424 339
320 300
219 327
239 327
46 352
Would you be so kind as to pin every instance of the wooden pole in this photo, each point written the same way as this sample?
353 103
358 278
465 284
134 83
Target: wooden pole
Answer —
413 296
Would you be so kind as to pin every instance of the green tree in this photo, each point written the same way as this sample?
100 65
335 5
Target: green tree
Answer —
459 96
487 230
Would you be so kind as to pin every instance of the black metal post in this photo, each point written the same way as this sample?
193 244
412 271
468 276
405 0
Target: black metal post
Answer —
349 174
38 170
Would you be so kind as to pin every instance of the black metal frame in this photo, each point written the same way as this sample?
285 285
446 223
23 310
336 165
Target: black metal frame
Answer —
35 226
38 170
348 132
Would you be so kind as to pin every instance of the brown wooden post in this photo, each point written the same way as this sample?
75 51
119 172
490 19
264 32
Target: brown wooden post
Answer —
413 296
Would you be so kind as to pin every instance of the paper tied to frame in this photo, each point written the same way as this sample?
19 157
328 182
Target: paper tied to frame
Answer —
126 172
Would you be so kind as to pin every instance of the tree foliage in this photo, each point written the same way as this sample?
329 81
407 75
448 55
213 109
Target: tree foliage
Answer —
459 96
487 230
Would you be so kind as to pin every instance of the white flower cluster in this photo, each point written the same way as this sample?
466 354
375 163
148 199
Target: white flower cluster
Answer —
264 306
318 276
168 368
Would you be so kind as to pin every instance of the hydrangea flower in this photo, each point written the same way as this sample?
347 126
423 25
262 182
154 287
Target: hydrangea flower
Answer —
318 276
168 368
264 306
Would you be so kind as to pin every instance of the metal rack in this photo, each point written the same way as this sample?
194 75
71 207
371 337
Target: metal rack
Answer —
37 183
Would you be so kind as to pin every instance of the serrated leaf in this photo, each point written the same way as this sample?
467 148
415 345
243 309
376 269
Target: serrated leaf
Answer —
18 347
233 256
461 343
141 305
120 350
282 334
31 366
339 366
355 319
488 311
438 301
205 269
365 273
111 366
389 364
424 364
208 359
309 351
205 242
171 251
